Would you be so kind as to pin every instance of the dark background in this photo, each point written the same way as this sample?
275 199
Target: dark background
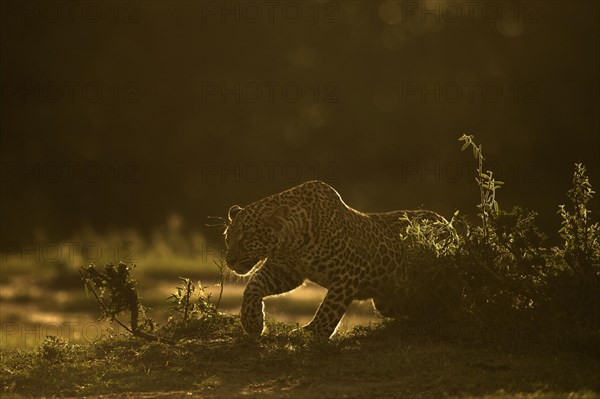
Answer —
114 115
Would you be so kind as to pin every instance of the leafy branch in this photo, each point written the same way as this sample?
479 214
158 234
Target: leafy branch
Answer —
488 185
581 236
115 292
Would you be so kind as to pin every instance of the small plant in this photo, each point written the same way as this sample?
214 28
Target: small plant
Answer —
115 291
575 278
581 236
182 301
54 350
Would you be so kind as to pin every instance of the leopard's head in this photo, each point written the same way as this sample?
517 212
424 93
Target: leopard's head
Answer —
252 235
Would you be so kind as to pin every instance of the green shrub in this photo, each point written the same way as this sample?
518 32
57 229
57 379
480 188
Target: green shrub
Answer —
574 280
501 271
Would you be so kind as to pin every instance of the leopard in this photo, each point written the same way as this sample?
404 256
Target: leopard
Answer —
308 234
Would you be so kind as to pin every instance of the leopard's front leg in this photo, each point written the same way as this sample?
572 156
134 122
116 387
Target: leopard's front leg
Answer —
332 309
270 279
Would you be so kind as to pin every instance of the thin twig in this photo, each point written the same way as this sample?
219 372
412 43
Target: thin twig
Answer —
221 282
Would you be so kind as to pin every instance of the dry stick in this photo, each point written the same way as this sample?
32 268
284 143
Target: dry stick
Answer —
188 294
134 310
221 281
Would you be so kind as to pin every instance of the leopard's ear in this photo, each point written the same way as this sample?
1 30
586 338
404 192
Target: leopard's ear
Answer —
278 218
233 211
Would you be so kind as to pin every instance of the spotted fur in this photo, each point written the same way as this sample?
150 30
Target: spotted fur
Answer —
309 233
